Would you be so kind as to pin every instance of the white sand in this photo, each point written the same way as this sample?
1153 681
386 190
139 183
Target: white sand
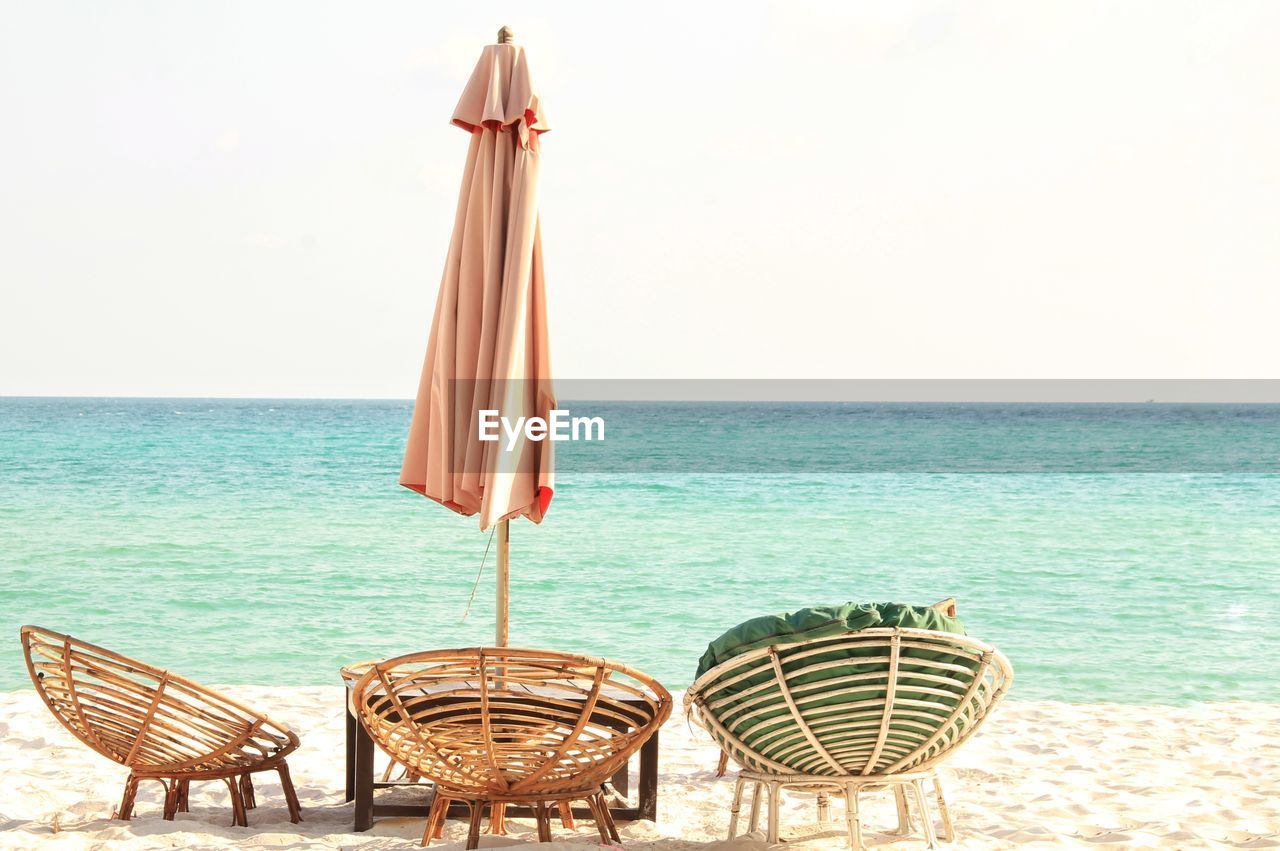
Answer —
1040 774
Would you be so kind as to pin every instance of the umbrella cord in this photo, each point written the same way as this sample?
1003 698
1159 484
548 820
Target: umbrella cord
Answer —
479 574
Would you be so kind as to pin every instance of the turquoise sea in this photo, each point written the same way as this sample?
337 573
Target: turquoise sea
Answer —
1115 553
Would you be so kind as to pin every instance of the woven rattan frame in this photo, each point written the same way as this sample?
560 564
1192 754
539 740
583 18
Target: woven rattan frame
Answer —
159 725
501 725
899 703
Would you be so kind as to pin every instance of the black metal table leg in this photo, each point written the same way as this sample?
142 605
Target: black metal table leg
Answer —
352 723
648 797
363 779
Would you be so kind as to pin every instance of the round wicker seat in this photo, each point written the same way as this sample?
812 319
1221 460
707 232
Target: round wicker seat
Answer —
501 726
867 709
157 724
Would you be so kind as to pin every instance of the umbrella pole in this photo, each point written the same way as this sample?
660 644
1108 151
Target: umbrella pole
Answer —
505 36
504 573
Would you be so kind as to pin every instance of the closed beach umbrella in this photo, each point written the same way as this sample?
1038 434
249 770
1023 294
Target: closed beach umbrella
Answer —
488 349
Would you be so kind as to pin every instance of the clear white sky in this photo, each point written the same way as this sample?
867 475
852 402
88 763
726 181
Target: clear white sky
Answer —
245 198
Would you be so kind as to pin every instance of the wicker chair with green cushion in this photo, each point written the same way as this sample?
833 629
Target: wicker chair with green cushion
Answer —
843 712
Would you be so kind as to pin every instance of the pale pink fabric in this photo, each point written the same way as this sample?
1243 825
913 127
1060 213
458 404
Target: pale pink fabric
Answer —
488 346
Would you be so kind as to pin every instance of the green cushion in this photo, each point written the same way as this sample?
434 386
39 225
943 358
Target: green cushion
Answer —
820 622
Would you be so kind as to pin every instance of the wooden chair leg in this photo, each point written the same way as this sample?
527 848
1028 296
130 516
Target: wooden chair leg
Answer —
566 815
824 807
170 799
497 819
435 818
948 829
184 796
126 802
723 765
473 831
754 822
290 794
603 801
904 812
238 816
246 791
775 804
542 815
736 807
593 803
917 791
853 819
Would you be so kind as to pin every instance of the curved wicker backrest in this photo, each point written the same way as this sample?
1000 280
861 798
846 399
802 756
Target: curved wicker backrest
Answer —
875 702
501 721
146 718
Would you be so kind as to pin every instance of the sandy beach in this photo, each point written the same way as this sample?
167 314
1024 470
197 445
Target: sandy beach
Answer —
1040 774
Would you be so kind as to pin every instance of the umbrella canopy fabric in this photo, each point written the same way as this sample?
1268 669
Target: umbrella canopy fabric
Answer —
488 348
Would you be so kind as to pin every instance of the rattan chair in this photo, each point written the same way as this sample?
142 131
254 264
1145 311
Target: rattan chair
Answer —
879 708
500 726
157 724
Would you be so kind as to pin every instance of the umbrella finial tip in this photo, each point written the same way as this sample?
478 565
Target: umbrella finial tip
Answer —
506 36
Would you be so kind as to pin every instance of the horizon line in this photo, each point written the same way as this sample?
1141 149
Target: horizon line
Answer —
1172 391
